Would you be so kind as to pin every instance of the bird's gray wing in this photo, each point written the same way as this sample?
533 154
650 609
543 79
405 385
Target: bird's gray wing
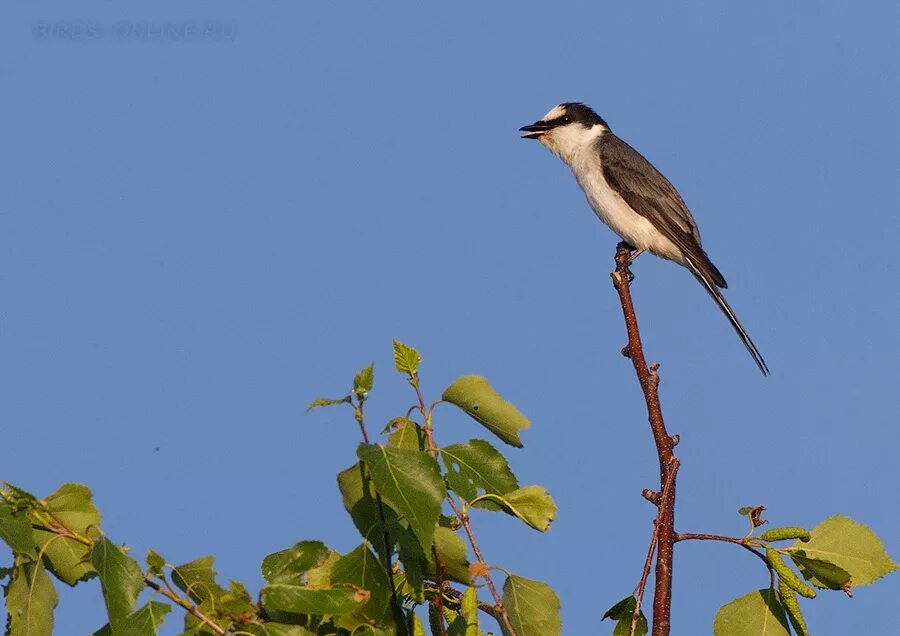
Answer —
651 195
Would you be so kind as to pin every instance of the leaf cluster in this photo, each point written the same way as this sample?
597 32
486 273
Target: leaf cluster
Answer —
838 554
416 566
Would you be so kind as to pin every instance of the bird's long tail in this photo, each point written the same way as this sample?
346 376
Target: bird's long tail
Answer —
713 290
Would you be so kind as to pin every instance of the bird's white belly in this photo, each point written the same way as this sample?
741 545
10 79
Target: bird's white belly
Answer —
612 209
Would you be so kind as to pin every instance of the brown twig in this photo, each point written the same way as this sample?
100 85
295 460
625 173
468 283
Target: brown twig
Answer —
668 464
54 526
642 586
426 413
487 608
462 515
432 449
700 536
189 607
441 585
498 601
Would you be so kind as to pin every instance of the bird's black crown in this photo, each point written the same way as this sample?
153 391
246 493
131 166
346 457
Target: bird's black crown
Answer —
582 114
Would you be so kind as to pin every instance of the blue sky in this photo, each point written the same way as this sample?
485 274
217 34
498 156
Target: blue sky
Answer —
198 238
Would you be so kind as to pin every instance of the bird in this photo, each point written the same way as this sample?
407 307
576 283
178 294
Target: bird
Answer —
632 198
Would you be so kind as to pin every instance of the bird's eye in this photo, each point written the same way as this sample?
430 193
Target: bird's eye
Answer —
565 120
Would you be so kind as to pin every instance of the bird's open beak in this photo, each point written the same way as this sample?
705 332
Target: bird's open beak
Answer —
535 130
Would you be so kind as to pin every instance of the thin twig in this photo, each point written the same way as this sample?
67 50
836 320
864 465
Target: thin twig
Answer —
426 413
700 536
187 605
439 598
642 586
57 528
668 464
498 601
432 449
487 608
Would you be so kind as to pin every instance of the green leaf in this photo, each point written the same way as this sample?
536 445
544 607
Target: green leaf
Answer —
531 504
758 613
361 570
296 599
197 579
410 482
822 574
849 545
30 601
533 607
412 556
406 359
287 566
362 382
476 468
155 562
320 576
69 560
475 396
20 499
453 554
140 623
327 402
359 500
145 621
406 435
469 610
71 507
466 624
235 602
617 611
120 578
193 626
623 613
15 530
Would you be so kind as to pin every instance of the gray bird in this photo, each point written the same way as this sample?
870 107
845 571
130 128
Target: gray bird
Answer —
632 197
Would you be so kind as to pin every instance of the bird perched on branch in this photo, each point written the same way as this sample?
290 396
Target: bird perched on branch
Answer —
632 197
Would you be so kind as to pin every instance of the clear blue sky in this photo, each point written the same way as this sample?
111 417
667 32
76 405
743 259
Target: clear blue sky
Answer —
197 238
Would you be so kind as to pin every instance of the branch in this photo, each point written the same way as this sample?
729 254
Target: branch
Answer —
187 605
654 539
498 602
487 608
668 463
432 450
700 536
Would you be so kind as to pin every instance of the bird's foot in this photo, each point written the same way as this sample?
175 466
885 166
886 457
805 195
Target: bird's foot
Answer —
633 256
626 253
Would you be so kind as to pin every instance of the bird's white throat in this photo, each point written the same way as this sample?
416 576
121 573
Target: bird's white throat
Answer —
567 142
